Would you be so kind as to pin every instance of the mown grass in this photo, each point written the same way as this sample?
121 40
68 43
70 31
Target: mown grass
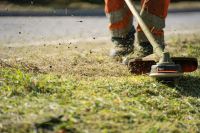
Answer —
78 88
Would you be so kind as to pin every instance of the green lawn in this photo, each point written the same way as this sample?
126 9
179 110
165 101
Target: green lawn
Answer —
78 88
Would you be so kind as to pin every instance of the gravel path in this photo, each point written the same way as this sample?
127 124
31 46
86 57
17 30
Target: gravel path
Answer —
17 31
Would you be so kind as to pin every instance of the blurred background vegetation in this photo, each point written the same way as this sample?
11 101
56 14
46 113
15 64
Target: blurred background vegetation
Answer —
41 5
45 2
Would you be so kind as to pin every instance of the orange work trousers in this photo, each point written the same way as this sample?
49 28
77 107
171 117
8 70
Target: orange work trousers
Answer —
121 19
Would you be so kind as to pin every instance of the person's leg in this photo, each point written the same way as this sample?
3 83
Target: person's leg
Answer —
154 14
121 28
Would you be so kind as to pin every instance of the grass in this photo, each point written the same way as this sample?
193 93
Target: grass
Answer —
70 88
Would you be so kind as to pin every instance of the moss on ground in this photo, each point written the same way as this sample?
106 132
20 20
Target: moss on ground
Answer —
73 88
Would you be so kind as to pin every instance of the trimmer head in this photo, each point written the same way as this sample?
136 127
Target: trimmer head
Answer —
163 70
166 68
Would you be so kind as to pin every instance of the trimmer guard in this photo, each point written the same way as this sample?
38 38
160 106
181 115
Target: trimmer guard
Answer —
141 66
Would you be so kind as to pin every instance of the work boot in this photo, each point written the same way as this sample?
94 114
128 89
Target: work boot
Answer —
142 50
123 46
143 47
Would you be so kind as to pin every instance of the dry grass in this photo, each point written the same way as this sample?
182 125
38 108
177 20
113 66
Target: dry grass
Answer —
86 59
83 59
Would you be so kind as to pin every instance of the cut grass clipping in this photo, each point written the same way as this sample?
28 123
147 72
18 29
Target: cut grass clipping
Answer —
74 89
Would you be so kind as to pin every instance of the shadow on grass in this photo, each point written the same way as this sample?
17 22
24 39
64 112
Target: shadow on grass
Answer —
189 86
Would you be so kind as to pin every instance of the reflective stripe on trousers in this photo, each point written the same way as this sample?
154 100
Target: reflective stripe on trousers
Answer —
120 17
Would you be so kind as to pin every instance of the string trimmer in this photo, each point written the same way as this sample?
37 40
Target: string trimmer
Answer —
163 68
